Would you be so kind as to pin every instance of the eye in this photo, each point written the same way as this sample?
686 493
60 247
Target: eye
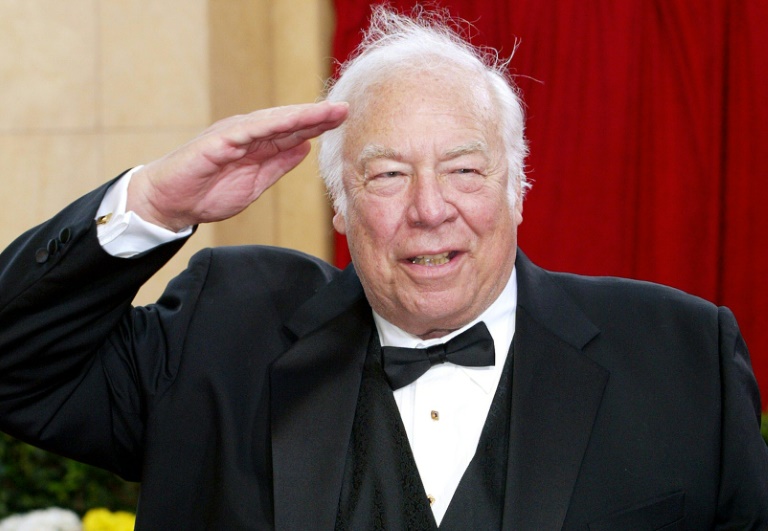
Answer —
386 183
388 174
466 180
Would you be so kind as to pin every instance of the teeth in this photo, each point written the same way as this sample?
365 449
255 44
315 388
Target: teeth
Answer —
431 260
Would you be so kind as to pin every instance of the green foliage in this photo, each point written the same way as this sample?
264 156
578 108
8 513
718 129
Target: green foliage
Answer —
764 426
31 478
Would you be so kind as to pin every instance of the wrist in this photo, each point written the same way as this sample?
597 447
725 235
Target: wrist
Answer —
139 201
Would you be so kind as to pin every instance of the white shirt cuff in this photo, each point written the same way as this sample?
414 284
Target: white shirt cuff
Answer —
125 234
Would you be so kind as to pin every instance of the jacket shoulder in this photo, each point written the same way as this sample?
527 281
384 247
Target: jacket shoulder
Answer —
272 263
612 291
243 275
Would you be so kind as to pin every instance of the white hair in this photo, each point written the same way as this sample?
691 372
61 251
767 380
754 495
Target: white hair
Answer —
423 41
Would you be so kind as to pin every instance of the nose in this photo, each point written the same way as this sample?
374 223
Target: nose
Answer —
429 206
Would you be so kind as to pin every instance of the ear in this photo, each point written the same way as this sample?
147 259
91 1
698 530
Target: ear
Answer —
517 190
339 223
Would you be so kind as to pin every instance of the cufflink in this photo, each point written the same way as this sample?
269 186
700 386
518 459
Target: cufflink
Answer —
103 220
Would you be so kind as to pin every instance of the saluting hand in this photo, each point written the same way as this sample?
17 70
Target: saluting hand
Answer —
229 165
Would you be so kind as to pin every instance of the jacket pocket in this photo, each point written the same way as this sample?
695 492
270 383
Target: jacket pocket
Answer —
665 513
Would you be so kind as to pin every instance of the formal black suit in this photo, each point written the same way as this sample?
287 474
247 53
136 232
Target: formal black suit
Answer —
633 407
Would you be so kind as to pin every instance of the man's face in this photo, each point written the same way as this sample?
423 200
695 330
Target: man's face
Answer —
429 223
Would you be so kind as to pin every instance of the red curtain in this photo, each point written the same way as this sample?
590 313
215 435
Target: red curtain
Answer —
647 120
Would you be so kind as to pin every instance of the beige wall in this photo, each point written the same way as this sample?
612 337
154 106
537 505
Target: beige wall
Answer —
89 88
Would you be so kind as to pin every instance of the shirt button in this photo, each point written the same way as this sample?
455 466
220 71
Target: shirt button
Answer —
435 415
431 499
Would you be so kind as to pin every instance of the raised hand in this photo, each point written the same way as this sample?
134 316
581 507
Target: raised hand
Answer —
229 165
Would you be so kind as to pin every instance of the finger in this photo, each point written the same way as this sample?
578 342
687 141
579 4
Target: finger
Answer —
323 115
285 141
306 120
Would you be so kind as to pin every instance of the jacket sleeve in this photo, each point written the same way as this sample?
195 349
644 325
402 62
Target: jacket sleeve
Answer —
743 498
68 378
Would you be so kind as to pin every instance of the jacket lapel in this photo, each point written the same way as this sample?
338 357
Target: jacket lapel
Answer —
314 389
556 394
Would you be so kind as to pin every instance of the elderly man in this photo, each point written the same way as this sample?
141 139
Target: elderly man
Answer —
443 380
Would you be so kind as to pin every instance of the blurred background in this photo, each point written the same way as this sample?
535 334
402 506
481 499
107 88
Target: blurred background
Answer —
89 88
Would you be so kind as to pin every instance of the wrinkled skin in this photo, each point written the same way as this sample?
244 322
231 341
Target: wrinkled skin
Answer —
430 225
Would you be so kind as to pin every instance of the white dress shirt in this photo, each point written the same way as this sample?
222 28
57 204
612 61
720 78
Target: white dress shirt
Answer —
443 412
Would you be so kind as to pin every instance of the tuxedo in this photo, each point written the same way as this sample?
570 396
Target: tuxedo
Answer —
232 399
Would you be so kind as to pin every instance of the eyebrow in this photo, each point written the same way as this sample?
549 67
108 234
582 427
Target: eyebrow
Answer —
466 149
376 151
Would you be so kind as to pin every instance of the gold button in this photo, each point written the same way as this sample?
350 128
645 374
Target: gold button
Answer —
431 499
103 220
435 415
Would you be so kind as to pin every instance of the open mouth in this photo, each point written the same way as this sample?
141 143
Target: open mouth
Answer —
433 259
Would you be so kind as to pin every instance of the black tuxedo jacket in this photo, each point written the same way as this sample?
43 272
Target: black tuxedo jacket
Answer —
232 399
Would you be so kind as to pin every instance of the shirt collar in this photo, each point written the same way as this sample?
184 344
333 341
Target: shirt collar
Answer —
499 317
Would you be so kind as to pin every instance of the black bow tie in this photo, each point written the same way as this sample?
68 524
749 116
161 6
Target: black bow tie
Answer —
472 348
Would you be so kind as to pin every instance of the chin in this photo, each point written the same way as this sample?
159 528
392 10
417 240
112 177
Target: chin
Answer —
440 320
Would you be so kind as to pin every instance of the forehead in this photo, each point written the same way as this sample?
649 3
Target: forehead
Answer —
420 108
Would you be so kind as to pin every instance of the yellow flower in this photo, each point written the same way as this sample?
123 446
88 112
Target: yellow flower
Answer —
104 520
